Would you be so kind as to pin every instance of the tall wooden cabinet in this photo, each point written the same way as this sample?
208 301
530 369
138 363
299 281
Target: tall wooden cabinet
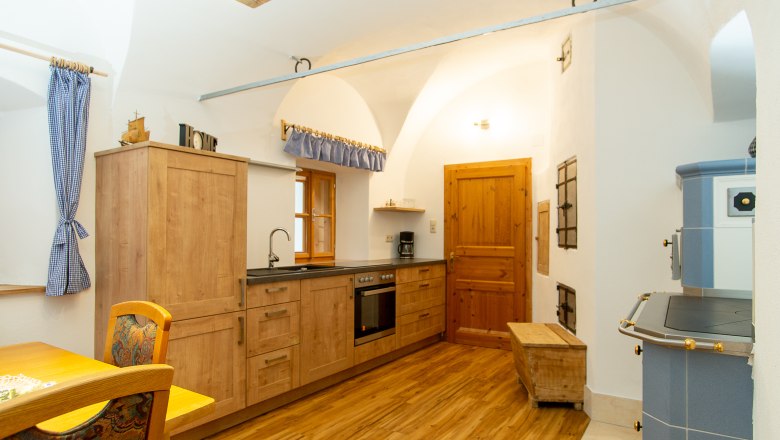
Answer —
171 228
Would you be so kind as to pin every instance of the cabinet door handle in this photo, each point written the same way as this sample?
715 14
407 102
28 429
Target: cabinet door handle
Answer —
275 289
276 313
240 330
425 270
242 282
425 284
425 314
276 359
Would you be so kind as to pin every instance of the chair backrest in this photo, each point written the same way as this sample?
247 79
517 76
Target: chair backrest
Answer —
138 401
130 343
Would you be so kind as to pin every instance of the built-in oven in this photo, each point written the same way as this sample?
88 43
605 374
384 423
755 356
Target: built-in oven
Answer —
374 305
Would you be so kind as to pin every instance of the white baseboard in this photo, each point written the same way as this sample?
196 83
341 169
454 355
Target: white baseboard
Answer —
614 410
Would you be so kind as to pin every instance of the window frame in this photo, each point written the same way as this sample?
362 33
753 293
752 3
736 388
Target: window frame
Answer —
310 177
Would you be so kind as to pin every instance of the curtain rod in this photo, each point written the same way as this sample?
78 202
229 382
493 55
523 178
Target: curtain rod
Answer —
286 126
419 46
44 58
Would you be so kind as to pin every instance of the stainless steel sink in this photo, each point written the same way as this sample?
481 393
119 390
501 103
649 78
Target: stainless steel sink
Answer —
268 271
302 267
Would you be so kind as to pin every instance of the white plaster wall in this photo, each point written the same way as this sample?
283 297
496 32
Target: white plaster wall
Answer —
330 104
649 120
516 102
572 133
29 219
763 18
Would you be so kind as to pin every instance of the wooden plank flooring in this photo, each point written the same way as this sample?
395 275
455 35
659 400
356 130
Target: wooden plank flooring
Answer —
444 391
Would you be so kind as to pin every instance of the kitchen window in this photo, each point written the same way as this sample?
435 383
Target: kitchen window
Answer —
315 215
567 204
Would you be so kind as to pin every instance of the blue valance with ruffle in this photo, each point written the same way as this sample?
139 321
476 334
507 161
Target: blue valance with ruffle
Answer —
341 152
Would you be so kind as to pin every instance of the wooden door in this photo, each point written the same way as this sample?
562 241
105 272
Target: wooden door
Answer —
328 327
197 233
487 223
209 356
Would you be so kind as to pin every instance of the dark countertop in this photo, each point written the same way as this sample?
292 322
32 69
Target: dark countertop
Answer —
342 267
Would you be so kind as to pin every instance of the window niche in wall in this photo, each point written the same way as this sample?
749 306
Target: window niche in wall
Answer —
567 204
567 307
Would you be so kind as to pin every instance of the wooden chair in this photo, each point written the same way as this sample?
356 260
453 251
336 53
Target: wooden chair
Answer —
137 402
130 343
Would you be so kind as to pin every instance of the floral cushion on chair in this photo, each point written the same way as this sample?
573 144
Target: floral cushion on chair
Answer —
133 344
123 418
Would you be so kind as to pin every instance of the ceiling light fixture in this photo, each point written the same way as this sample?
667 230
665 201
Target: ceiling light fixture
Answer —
483 124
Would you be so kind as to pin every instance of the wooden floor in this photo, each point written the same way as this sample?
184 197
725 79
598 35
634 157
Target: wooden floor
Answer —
444 391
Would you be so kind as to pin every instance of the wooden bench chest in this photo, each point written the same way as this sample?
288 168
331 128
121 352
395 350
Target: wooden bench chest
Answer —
550 363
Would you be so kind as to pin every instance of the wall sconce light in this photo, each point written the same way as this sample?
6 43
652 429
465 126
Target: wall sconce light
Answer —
483 124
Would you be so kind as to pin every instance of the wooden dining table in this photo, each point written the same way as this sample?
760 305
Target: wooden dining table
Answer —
47 363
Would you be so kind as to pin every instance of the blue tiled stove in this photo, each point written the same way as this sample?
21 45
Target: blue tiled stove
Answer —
697 382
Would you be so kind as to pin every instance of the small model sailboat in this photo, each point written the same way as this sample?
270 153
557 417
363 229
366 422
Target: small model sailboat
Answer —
135 132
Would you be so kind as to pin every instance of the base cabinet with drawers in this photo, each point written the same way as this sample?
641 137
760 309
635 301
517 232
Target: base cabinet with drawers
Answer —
273 335
420 293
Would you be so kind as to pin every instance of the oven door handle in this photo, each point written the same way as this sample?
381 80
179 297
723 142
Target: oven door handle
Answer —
377 291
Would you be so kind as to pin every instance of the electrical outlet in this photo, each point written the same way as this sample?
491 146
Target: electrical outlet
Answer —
433 226
389 238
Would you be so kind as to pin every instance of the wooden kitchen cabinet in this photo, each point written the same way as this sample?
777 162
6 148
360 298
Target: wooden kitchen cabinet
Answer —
266 294
209 356
171 228
420 296
327 333
272 373
418 273
273 327
273 337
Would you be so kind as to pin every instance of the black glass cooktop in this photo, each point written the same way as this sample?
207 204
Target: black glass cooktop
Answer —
723 316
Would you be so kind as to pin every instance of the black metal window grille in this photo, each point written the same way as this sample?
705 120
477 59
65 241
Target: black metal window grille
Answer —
567 307
567 204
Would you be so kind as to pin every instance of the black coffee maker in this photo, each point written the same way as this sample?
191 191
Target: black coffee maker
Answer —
406 245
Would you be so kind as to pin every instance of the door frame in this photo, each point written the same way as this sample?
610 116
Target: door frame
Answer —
526 228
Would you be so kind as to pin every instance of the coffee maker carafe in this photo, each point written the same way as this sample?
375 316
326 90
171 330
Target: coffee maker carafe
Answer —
406 245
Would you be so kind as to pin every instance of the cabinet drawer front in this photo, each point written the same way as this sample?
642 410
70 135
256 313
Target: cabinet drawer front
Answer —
271 374
259 295
420 325
418 295
272 327
417 273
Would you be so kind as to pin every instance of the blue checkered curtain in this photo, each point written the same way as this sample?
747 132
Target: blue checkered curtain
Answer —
68 115
312 146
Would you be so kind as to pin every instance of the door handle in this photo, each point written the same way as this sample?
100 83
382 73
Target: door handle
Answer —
242 282
451 262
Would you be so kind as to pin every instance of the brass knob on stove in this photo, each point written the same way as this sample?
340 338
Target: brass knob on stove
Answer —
637 425
690 344
637 349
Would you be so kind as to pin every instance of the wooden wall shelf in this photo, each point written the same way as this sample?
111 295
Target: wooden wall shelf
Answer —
398 209
12 288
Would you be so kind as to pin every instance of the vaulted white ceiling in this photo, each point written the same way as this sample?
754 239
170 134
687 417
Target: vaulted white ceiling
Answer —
185 48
